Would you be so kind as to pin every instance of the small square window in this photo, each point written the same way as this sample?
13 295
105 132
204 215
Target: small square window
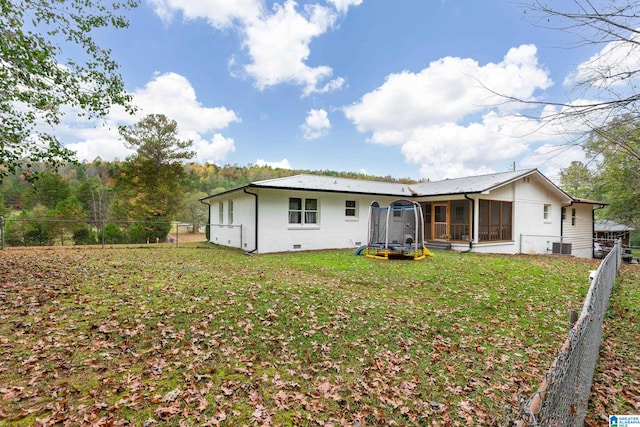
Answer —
547 213
350 209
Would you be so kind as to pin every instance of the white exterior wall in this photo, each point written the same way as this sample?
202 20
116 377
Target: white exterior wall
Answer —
579 231
333 231
240 232
533 232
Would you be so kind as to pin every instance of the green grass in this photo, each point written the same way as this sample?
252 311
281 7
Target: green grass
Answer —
203 334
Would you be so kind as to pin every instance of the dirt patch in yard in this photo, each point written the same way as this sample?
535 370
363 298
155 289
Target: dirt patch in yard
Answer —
187 237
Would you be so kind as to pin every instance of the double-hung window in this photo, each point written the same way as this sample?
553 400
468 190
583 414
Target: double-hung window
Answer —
351 209
303 211
546 213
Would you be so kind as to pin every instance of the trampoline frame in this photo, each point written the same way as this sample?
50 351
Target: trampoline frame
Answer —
414 249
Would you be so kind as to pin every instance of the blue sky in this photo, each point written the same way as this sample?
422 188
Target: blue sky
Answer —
382 87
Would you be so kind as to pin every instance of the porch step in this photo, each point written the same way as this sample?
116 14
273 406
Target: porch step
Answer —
435 244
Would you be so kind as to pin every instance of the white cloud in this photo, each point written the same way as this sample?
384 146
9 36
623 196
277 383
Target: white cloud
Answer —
219 14
277 42
554 157
448 117
101 141
169 94
282 164
316 125
215 150
172 94
614 66
278 45
450 150
343 5
448 90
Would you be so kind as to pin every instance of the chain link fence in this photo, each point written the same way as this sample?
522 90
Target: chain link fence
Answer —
17 232
563 395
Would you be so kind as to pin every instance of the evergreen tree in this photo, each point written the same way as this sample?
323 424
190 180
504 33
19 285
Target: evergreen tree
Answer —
150 179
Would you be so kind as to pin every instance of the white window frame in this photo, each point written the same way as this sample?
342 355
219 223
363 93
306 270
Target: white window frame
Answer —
311 212
304 215
230 212
351 209
221 213
546 213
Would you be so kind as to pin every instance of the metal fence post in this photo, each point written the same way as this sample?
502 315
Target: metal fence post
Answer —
1 232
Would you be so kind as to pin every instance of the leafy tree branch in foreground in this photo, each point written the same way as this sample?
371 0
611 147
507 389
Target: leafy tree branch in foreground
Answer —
39 80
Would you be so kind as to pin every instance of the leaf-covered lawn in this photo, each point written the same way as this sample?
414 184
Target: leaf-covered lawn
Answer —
204 335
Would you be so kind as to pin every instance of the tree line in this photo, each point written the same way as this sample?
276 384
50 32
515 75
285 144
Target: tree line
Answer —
157 185
611 172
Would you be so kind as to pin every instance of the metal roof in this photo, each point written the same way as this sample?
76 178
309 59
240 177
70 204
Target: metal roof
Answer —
466 185
333 184
470 184
611 226
589 201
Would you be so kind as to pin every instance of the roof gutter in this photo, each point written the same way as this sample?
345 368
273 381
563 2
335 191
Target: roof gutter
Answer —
256 219
208 234
473 215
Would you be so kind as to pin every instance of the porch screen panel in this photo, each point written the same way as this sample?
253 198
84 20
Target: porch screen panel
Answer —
426 210
483 220
460 220
506 221
440 221
495 220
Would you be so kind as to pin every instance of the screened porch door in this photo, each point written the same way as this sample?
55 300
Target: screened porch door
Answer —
440 224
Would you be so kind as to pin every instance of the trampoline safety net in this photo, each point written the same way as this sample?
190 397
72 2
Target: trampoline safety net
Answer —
396 230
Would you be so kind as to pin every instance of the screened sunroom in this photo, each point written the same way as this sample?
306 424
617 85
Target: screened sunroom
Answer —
452 220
